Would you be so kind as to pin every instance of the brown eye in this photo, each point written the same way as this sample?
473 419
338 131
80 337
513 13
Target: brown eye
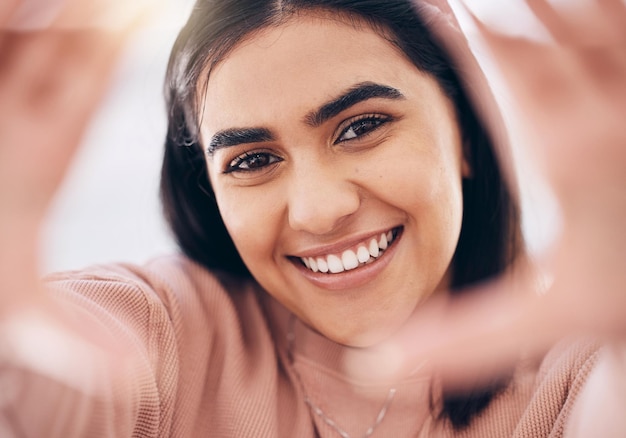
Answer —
252 161
361 127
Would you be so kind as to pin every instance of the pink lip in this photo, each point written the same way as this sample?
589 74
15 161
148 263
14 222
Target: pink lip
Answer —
338 248
350 279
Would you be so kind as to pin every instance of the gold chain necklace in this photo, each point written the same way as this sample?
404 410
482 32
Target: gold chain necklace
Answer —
316 409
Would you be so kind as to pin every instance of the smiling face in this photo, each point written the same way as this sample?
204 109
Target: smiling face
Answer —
337 169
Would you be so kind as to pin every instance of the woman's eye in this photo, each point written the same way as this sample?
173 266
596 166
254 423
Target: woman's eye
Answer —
360 127
252 161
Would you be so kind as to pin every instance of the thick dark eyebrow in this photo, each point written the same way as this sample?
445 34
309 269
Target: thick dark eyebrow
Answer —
236 136
356 94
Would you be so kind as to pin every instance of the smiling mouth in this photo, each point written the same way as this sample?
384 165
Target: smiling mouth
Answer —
361 254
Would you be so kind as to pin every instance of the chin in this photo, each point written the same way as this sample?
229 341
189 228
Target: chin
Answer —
366 335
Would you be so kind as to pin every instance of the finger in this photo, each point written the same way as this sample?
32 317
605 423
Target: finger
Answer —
552 21
110 15
50 82
7 8
550 79
582 23
47 100
606 70
26 57
38 137
467 341
57 99
555 88
615 11
534 71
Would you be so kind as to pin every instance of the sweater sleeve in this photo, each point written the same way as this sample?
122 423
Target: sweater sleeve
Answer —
561 377
599 410
101 362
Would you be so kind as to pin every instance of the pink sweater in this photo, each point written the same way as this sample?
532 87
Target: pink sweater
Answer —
198 354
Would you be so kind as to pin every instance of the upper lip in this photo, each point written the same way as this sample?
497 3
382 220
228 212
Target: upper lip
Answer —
339 247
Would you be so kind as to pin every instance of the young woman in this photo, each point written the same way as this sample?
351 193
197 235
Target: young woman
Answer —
325 175
335 157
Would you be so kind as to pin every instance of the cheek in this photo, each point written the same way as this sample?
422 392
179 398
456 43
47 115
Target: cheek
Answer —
250 223
443 197
421 179
429 192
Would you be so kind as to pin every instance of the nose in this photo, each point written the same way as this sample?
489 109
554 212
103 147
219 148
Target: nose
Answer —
321 198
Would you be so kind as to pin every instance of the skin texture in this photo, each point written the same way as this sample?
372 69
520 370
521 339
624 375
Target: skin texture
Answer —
324 193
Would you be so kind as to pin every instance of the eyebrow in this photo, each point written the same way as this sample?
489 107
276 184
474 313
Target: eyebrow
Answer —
236 136
358 93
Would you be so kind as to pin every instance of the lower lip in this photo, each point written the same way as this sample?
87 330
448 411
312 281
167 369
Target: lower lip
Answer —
355 277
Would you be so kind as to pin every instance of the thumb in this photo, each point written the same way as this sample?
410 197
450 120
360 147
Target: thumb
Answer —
467 340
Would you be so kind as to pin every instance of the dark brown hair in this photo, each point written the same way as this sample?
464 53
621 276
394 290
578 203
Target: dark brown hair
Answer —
490 233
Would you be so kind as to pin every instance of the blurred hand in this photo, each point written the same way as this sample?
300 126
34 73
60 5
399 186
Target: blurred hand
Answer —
56 57
570 93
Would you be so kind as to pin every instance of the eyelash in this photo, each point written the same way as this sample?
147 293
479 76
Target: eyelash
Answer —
248 158
377 120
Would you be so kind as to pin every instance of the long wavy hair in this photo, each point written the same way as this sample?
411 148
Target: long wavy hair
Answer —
490 234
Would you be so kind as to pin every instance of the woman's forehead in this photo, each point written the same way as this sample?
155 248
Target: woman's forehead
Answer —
315 18
306 33
300 64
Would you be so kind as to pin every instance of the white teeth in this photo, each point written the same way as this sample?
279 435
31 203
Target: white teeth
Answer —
334 264
349 260
322 265
374 250
382 243
362 254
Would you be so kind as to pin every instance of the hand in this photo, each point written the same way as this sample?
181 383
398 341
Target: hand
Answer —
570 94
54 68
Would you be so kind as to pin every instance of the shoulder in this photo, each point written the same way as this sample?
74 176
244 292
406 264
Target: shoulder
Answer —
164 272
600 405
568 364
559 381
192 329
166 292
541 395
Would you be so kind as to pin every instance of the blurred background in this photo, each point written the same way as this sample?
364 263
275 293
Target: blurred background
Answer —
108 209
